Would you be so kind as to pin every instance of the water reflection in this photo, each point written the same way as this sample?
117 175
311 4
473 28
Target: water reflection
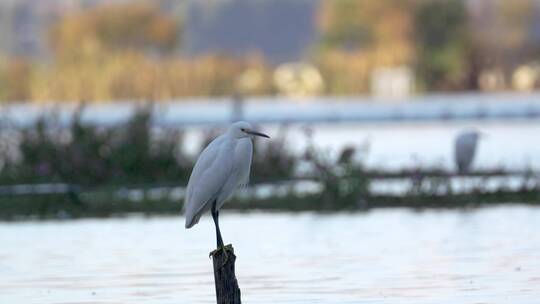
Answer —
382 256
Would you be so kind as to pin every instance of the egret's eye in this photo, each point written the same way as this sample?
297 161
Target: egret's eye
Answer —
243 130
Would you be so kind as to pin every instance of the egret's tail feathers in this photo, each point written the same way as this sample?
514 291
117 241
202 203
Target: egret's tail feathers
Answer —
190 222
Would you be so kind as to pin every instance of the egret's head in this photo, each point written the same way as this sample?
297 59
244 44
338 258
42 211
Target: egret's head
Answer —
243 129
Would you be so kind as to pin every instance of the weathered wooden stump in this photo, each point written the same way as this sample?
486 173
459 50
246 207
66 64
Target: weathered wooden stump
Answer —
227 291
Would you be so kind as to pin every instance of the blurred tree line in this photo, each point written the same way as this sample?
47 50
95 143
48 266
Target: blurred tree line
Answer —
133 51
358 36
448 43
121 51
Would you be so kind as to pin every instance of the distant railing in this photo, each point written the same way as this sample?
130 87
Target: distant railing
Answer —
128 191
279 110
414 189
37 189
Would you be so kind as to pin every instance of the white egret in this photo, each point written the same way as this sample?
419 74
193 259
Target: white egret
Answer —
222 166
465 149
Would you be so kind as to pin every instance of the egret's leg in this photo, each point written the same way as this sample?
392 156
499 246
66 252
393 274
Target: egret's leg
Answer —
220 246
215 216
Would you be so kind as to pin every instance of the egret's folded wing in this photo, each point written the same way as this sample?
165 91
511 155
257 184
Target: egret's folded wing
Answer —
242 159
209 175
205 160
239 174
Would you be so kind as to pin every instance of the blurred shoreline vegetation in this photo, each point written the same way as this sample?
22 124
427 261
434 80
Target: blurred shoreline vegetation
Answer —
131 152
133 51
134 166
106 168
90 155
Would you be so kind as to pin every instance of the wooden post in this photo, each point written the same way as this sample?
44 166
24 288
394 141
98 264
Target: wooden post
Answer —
227 291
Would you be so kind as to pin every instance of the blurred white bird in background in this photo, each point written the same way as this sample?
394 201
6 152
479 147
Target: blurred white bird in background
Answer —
222 166
465 149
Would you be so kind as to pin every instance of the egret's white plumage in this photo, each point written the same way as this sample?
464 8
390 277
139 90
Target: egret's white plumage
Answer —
222 166
465 149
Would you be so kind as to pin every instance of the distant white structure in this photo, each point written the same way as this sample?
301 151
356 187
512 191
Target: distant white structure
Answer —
249 81
298 79
492 80
392 82
525 78
465 149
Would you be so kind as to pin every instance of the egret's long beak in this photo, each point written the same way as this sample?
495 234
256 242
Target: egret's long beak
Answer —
257 134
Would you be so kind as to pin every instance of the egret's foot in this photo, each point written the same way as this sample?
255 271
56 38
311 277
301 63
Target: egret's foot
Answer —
225 248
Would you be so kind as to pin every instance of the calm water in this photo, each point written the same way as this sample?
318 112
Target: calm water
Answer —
489 255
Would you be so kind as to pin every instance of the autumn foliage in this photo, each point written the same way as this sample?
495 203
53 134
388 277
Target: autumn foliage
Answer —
134 51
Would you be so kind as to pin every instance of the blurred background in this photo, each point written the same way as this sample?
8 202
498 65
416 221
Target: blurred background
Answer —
101 51
403 165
